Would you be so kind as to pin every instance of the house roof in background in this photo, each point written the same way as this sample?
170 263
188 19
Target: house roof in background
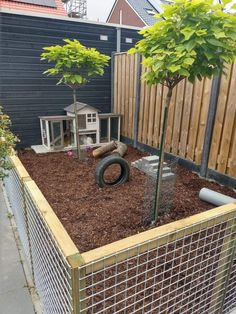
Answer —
145 9
80 106
45 3
50 7
141 7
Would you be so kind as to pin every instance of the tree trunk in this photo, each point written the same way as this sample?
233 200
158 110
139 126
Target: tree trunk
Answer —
121 149
104 149
77 155
161 156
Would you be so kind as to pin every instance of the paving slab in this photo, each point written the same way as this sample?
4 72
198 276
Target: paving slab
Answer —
14 294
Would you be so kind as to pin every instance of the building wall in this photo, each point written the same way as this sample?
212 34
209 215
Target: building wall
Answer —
25 93
13 5
129 16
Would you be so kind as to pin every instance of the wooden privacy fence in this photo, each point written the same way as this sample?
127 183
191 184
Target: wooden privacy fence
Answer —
142 104
188 266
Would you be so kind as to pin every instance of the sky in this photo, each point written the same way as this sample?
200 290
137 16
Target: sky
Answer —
99 9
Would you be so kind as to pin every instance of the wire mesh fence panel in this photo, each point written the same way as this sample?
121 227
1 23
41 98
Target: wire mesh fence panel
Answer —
229 304
52 272
14 190
167 189
182 272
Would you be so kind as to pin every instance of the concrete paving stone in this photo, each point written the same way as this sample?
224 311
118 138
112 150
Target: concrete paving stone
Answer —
11 276
16 302
14 294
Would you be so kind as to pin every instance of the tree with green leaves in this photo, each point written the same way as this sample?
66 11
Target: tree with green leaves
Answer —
193 39
7 143
74 65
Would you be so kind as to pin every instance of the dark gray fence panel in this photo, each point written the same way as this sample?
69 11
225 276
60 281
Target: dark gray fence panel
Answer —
25 93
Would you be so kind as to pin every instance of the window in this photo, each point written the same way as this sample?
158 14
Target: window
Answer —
151 12
91 117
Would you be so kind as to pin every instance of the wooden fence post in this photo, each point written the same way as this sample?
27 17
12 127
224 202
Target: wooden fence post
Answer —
210 125
75 261
112 80
137 100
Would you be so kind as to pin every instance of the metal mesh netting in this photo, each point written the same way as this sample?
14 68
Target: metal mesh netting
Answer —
51 270
182 276
14 190
49 267
167 191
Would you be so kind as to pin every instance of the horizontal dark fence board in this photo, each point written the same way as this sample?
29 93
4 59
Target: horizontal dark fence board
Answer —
25 92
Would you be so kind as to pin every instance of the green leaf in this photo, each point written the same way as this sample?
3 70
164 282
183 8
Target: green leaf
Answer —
189 61
184 72
215 42
173 68
187 32
190 45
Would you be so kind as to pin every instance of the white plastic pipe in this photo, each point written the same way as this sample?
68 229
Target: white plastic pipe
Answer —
215 198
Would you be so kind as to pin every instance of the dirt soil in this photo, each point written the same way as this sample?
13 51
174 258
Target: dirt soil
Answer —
96 216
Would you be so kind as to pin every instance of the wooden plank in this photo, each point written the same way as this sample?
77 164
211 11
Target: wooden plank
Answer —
178 117
219 119
126 92
158 111
170 122
122 92
232 159
157 236
151 115
196 108
137 102
62 238
164 94
119 84
115 83
141 114
146 113
186 119
228 124
20 169
132 82
203 119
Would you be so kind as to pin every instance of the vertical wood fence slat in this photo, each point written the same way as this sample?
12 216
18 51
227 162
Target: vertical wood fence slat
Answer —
219 120
170 118
127 102
187 106
142 91
146 113
115 82
151 115
159 91
228 125
203 119
232 159
131 67
192 136
188 114
178 117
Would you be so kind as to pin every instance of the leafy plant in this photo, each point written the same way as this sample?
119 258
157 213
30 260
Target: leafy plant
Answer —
193 39
74 64
7 143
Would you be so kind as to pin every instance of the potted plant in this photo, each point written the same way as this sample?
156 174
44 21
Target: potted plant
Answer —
74 65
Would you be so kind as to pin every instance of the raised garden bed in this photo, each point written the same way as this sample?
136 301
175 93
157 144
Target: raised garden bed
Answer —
93 216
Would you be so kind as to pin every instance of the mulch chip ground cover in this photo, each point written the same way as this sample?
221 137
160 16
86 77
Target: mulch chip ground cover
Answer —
96 216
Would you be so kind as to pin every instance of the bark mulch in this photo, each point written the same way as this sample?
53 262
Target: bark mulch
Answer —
96 216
